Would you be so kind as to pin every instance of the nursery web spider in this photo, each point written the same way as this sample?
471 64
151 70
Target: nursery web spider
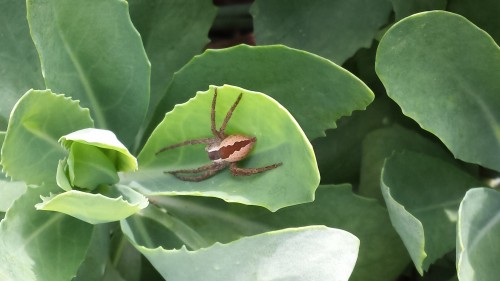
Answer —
222 149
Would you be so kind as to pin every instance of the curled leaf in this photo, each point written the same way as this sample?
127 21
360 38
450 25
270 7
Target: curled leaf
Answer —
116 204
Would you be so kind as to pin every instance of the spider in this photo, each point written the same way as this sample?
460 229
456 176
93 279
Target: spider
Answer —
223 150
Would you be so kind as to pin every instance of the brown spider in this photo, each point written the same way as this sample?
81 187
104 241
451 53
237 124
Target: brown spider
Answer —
222 149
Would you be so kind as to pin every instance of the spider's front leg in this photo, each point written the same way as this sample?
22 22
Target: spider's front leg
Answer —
237 171
209 170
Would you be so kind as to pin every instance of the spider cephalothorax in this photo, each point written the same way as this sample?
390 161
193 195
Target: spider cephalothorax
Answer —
222 149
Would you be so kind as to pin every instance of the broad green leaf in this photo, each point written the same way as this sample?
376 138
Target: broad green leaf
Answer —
91 52
111 146
172 33
308 253
316 91
422 194
198 222
478 235
404 8
19 63
41 246
10 191
446 80
381 143
279 139
116 203
30 151
94 265
482 13
334 29
124 259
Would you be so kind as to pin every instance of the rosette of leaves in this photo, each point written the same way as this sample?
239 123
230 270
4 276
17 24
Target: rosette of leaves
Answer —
95 157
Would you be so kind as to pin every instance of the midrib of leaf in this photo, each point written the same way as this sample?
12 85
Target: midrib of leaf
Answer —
490 117
55 218
209 212
96 107
437 206
482 232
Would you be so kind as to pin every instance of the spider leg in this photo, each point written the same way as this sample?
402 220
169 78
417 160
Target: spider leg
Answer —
229 114
188 142
211 169
216 133
236 171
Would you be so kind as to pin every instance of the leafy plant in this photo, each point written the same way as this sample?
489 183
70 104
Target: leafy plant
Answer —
91 91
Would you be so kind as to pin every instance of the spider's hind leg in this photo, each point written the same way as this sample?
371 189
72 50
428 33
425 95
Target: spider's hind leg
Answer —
209 170
237 171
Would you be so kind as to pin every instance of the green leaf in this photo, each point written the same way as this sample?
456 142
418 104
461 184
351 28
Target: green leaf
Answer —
478 235
114 204
172 33
424 69
91 51
381 143
31 151
483 13
308 253
422 194
198 222
89 167
339 153
404 8
10 191
94 265
41 246
315 91
19 64
279 139
334 29
111 146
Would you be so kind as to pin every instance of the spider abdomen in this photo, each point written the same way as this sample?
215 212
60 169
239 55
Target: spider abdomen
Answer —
235 147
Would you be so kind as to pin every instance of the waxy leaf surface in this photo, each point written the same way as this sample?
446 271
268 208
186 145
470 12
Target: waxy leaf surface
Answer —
31 150
446 81
334 29
316 91
90 51
19 63
422 194
116 203
33 244
310 253
279 139
478 235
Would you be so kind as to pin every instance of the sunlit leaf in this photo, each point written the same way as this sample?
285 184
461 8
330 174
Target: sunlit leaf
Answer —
308 253
316 91
90 51
279 139
114 204
30 151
